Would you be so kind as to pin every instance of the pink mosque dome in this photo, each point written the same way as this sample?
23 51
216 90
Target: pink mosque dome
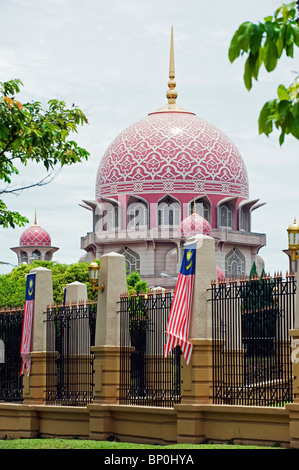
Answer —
194 224
220 275
174 152
35 236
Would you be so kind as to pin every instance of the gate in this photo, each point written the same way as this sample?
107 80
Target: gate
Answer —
11 384
251 343
146 378
70 335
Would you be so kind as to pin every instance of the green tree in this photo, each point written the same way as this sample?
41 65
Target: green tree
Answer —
264 44
13 285
30 133
135 284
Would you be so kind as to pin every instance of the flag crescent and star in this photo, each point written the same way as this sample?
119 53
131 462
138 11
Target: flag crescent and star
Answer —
27 324
179 318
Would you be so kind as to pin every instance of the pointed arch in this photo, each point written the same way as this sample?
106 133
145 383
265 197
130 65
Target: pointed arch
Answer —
234 264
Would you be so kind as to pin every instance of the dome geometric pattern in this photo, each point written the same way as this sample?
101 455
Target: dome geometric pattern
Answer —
174 153
220 275
194 224
35 236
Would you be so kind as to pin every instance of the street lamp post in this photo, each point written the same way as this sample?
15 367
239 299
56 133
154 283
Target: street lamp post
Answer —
293 240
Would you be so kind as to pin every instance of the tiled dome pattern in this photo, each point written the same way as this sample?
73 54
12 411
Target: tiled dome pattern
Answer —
175 153
35 236
194 224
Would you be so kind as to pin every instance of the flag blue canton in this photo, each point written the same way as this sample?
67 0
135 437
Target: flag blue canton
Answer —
30 287
188 263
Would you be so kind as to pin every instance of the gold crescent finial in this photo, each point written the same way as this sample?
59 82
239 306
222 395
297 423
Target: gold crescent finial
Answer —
171 92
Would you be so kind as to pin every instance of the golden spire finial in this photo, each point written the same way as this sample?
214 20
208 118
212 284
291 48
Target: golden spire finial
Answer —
35 219
171 92
194 207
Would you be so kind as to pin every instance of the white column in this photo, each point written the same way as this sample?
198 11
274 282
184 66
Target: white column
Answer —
113 276
43 298
205 272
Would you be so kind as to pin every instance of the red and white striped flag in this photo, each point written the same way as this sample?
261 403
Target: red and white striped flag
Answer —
179 318
27 324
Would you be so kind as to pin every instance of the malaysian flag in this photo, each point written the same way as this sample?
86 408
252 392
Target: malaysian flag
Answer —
27 324
179 318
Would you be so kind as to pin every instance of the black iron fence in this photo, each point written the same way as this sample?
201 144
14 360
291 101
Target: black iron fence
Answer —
11 384
251 321
146 377
70 335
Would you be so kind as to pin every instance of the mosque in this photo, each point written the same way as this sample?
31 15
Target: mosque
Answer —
162 180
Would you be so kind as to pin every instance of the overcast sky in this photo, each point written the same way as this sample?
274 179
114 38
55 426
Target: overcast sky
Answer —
111 59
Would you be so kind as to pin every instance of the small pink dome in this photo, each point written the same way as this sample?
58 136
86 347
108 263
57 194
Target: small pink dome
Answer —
35 236
193 225
220 275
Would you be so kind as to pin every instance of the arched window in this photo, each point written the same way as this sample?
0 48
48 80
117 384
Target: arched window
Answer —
36 254
23 257
242 219
137 216
132 259
110 217
201 208
234 263
48 256
169 213
225 216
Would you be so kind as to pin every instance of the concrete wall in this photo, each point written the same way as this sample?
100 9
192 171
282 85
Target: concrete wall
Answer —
184 424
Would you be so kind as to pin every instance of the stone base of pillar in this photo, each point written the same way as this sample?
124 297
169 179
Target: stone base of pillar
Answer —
34 385
197 376
107 374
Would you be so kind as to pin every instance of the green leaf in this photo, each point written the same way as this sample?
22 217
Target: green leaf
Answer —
234 50
283 93
295 30
266 118
255 61
288 35
256 38
244 35
247 75
290 50
269 27
270 55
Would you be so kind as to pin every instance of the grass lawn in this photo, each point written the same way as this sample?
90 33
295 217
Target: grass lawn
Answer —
89 444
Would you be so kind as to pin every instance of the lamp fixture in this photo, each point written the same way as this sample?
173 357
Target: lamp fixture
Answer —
293 239
94 270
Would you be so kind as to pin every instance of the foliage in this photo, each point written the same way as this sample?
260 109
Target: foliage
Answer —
29 133
135 284
13 285
264 43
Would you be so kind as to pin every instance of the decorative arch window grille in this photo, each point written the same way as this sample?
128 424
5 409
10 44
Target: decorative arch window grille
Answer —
137 216
201 208
225 216
111 217
132 259
48 256
234 263
23 257
242 219
169 214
